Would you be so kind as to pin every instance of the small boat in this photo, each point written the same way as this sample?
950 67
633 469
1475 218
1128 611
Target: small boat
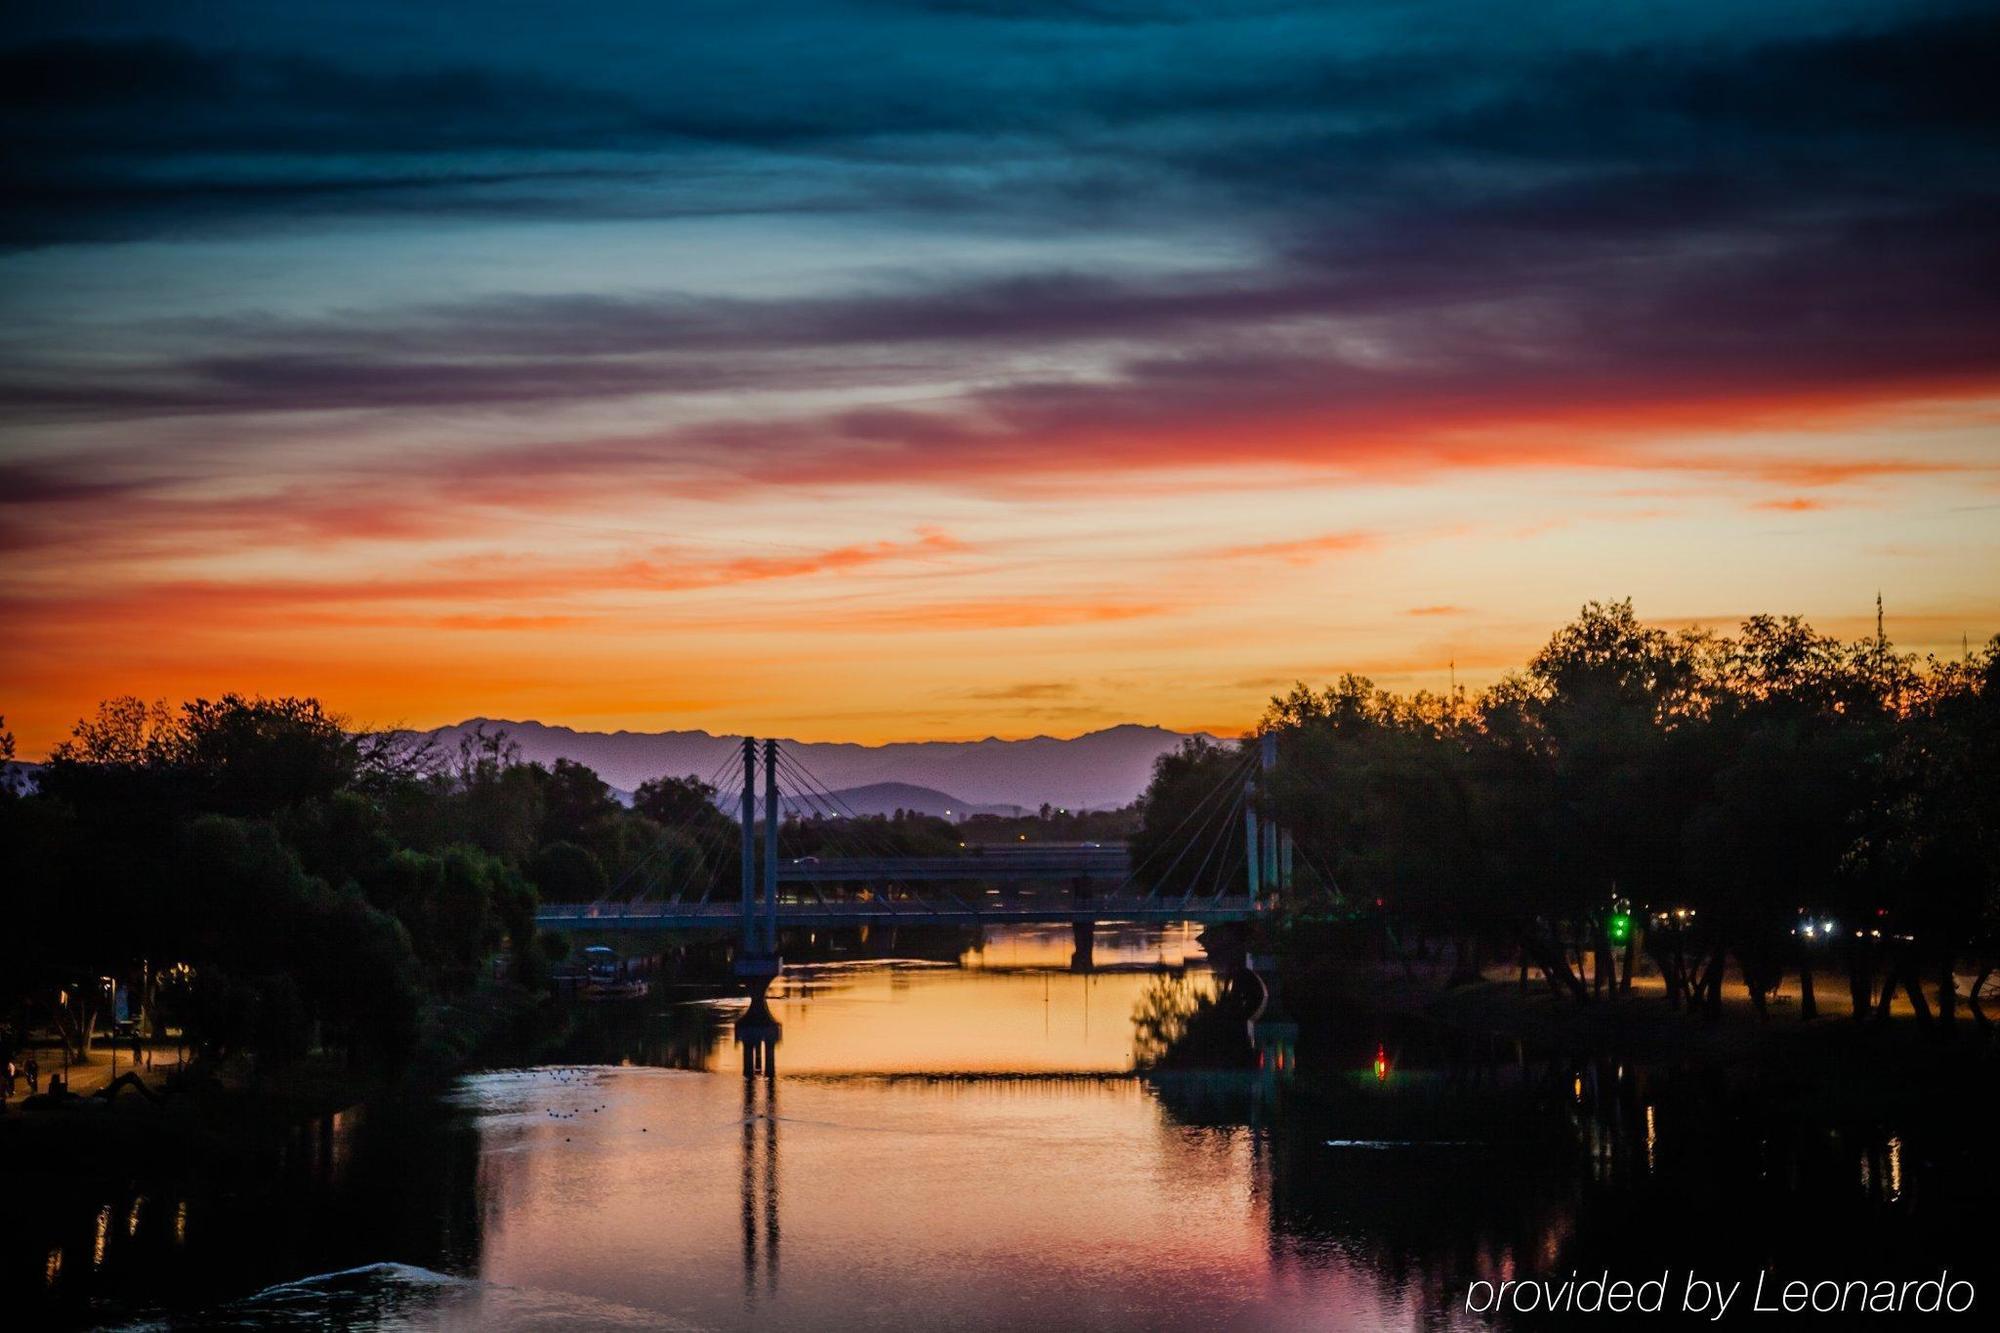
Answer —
606 976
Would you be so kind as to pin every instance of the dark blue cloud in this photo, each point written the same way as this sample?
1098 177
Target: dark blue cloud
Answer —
1085 111
1703 202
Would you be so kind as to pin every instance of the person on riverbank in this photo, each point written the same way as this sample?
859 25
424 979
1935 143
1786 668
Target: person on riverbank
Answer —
10 1079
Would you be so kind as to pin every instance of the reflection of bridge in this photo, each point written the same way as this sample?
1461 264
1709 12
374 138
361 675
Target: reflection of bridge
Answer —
1080 885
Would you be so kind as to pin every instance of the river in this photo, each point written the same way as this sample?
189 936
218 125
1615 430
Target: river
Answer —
992 1141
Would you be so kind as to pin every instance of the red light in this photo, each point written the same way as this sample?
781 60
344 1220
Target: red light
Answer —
1381 1064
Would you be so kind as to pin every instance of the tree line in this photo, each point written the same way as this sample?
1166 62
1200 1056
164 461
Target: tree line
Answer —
270 882
1775 796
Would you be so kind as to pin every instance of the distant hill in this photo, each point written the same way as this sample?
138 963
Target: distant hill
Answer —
885 798
1096 771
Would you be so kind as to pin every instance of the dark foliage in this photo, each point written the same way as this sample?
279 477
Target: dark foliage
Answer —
1734 795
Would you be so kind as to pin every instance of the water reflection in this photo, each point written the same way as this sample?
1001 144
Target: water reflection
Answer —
1185 1022
87 1238
758 1032
1013 1007
760 1186
989 1139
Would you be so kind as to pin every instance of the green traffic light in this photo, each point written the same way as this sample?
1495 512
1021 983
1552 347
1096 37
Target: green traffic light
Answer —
1619 927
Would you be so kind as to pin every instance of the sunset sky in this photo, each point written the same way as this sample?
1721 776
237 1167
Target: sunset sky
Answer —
887 370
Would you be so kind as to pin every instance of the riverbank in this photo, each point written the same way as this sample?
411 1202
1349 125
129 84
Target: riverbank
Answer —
108 1062
203 1115
1830 1063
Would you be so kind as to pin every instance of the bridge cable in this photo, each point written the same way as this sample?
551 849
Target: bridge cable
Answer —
871 834
1232 776
1229 866
856 826
824 808
859 824
706 836
1221 840
833 801
1223 810
802 803
701 837
660 842
1233 781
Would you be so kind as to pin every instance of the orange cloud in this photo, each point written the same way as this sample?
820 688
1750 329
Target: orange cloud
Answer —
504 623
998 613
1304 550
508 580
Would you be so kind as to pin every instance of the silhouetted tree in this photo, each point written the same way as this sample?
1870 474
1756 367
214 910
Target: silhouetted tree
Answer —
573 798
563 872
1190 828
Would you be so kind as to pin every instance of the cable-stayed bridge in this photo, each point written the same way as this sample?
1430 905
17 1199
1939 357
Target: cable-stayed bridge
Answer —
1222 863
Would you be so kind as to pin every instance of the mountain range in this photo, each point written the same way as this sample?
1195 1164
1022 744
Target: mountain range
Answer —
1096 771
885 798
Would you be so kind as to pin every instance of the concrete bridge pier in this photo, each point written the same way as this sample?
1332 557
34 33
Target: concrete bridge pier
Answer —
1083 957
1083 930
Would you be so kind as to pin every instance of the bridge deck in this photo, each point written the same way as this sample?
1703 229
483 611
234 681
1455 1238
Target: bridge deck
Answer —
952 911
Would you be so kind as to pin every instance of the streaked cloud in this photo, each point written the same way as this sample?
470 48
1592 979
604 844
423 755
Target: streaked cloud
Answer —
957 351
